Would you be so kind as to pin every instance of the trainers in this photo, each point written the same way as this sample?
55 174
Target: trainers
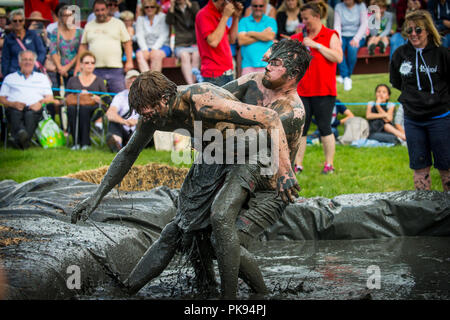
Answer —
382 47
75 147
298 169
347 84
112 143
340 79
86 147
372 49
328 168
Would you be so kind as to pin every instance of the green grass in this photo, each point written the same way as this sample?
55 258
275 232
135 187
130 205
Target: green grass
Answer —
360 170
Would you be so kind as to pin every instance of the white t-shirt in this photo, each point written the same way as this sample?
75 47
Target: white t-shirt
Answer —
120 101
105 40
29 91
152 36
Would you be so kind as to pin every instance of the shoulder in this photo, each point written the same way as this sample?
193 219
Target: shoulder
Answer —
390 105
11 77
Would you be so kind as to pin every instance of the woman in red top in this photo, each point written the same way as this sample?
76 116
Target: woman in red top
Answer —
317 89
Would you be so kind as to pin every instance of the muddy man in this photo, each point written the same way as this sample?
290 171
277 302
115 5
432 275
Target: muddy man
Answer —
214 195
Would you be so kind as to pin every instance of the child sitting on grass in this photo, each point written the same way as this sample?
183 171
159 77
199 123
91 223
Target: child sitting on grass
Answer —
380 115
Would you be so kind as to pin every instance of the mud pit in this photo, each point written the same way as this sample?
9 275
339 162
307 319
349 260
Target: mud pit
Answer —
320 249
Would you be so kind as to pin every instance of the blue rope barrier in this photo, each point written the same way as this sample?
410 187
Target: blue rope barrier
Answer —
113 94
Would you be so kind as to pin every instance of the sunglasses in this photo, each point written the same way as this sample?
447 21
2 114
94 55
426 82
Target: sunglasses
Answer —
150 7
18 20
112 5
418 30
257 5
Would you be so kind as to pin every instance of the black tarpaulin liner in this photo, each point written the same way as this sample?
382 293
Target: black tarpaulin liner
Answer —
40 209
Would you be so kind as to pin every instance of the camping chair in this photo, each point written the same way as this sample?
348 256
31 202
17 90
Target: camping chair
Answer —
4 127
100 112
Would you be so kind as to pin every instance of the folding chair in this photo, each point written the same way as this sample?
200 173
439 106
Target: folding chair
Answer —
4 127
100 112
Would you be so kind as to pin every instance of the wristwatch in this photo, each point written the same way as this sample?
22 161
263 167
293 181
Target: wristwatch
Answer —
318 46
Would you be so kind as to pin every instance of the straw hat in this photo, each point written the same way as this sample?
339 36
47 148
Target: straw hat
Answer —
37 16
2 13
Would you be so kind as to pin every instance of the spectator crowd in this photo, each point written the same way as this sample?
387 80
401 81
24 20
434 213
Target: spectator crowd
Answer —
213 41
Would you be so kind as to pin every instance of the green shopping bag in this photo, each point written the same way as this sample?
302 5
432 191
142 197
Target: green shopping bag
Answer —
49 134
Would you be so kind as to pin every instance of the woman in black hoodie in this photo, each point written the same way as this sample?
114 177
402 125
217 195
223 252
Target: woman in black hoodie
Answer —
420 69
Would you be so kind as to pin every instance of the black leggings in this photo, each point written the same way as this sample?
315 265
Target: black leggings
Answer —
322 109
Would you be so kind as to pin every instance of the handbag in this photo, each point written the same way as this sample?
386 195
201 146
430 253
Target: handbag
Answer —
85 99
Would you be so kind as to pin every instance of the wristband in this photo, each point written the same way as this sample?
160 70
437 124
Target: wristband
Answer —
318 46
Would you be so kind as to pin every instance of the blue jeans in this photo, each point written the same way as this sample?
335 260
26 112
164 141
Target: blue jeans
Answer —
348 64
114 77
446 41
425 138
396 41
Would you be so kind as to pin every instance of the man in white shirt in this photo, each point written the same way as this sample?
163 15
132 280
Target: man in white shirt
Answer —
23 93
121 125
105 37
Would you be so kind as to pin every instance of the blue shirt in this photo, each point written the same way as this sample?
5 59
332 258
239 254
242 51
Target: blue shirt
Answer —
253 53
11 48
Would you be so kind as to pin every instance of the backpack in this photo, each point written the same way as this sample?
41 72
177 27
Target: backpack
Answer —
355 128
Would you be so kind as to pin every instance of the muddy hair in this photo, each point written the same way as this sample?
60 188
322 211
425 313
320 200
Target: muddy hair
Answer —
148 89
295 56
318 7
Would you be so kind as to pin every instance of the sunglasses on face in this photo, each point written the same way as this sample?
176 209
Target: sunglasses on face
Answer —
418 30
257 5
150 7
17 20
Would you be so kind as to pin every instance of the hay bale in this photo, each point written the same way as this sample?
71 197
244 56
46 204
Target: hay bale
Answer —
139 178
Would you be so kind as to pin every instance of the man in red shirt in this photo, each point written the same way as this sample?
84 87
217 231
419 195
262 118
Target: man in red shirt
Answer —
214 38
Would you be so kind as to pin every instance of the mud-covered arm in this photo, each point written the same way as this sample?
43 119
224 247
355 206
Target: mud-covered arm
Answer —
293 123
240 87
119 167
214 106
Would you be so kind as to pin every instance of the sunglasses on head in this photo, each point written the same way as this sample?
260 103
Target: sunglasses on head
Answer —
257 5
112 4
418 30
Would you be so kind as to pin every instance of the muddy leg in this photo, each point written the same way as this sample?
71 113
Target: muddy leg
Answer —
201 258
155 259
250 273
224 211
422 179
445 178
